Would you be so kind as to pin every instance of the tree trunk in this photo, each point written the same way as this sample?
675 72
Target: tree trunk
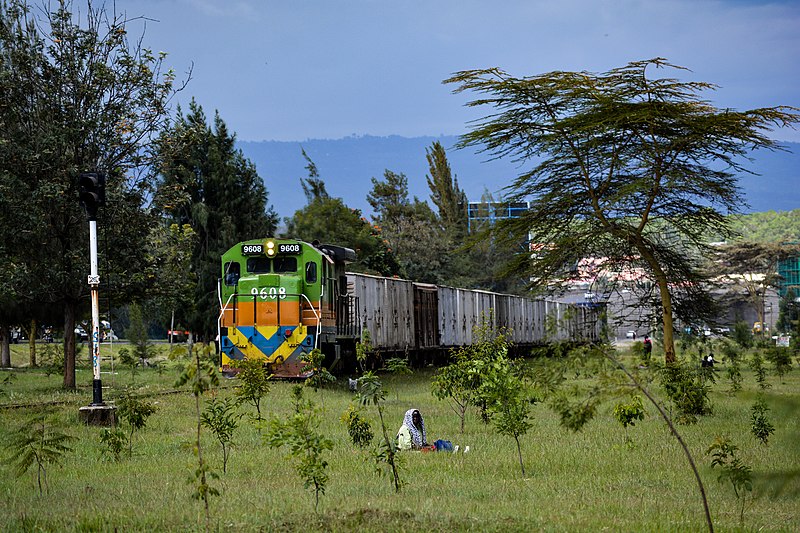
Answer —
666 303
171 330
5 348
32 343
666 316
69 345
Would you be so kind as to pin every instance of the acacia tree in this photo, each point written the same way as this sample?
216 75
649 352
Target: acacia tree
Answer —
621 165
77 96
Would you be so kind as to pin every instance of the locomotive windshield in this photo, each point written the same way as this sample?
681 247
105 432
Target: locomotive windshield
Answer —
265 265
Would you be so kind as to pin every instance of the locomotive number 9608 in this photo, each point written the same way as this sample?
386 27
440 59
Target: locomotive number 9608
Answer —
288 248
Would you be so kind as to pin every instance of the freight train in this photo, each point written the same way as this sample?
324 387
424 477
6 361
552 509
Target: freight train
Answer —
281 298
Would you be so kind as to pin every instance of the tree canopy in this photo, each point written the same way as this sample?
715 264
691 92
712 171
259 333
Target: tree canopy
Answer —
75 96
622 165
208 184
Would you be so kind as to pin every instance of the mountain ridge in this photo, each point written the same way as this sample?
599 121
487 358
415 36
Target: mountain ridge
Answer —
347 165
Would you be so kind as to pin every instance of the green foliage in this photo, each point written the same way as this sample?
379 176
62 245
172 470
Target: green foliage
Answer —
370 391
628 413
253 383
135 412
51 359
760 426
505 393
688 391
129 360
306 444
398 365
757 366
221 418
115 441
207 183
201 375
77 95
363 348
319 374
723 453
359 428
136 334
734 373
458 383
742 334
330 221
781 358
39 443
768 226
7 380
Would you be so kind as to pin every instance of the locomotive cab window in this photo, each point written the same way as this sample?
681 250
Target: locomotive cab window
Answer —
232 273
311 272
258 265
283 265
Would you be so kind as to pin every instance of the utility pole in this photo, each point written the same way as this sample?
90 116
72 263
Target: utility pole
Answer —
92 196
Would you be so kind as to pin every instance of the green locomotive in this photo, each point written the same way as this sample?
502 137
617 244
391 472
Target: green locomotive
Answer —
282 298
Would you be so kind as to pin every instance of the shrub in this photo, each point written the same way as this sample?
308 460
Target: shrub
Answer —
687 390
359 428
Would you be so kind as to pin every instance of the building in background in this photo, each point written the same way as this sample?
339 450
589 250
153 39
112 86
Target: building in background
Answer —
490 212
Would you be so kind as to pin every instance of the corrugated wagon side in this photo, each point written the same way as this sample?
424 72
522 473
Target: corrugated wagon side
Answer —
386 310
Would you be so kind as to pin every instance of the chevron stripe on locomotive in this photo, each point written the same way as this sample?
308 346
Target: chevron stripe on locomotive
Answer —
282 298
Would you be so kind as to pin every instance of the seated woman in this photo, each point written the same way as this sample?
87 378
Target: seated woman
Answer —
411 435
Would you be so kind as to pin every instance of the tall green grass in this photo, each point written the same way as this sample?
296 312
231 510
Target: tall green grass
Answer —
584 481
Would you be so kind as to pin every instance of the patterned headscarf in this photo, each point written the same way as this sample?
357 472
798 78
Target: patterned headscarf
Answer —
408 421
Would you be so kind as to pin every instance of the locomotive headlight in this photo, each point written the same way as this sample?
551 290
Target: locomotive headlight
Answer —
270 248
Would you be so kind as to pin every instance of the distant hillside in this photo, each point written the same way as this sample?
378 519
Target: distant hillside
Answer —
346 165
770 226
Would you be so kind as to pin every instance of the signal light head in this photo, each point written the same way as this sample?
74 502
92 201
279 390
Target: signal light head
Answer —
92 192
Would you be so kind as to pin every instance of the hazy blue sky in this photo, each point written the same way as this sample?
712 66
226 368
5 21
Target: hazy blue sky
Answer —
295 69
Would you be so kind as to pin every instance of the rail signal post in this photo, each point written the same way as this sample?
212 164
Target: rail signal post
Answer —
92 196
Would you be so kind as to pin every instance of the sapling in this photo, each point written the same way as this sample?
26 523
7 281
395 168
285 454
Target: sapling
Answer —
129 360
761 427
370 391
732 469
300 433
253 384
628 413
363 349
398 366
757 365
135 411
39 443
508 401
781 358
115 441
221 418
457 383
319 374
201 375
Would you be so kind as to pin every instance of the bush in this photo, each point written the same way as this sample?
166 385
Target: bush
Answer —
687 390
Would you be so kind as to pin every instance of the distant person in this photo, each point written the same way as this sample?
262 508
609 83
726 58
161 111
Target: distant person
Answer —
411 435
648 347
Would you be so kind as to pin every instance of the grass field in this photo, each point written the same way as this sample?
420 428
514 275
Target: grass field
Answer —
586 481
